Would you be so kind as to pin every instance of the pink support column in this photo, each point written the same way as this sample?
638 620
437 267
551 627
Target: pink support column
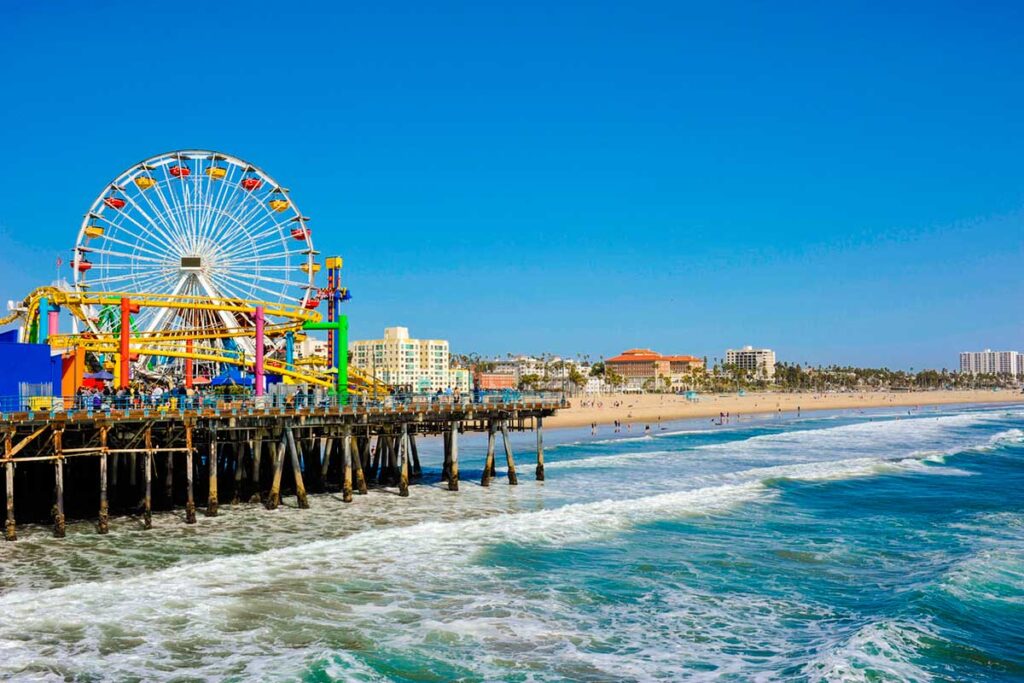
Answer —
54 321
259 350
125 339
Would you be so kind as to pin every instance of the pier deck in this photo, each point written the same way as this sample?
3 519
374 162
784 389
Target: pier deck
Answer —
92 464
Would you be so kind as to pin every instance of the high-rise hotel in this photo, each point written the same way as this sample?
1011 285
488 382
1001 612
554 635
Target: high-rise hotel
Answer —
989 362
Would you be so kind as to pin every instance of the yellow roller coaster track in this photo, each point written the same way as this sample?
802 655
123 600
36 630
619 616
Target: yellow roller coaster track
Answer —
169 343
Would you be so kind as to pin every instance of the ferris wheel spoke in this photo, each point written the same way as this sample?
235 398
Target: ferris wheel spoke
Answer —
132 275
135 257
138 246
268 240
232 293
242 224
144 283
251 285
118 225
171 215
216 193
166 236
164 221
264 278
179 191
264 214
231 211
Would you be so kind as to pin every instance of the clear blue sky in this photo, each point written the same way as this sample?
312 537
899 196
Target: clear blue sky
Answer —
843 182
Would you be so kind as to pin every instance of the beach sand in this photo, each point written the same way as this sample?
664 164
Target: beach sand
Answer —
648 408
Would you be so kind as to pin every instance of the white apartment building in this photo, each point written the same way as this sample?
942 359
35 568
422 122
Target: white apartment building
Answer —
759 361
557 370
421 365
989 362
311 348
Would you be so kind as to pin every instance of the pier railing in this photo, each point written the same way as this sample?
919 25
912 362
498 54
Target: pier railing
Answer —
235 401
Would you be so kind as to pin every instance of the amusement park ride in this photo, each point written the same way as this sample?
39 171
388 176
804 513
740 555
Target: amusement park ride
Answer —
188 264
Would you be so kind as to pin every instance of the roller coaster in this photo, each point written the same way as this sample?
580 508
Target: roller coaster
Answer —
205 263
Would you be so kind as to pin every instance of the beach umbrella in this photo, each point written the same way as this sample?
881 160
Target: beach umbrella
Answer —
200 380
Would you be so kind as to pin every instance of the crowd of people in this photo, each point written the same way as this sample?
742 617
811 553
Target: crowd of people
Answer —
156 395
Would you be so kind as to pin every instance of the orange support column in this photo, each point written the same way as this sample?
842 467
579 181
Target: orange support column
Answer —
126 328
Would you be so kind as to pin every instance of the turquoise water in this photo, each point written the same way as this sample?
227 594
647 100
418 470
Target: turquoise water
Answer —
880 546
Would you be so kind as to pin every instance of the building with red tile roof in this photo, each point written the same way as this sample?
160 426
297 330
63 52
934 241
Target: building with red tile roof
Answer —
640 366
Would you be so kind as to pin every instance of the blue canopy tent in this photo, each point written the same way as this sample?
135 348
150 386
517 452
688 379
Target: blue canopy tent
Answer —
231 379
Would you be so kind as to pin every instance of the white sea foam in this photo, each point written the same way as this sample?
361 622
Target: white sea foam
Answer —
882 651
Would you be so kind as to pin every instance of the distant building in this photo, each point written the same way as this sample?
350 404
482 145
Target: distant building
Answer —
641 366
421 365
553 372
495 380
311 347
989 362
462 379
759 361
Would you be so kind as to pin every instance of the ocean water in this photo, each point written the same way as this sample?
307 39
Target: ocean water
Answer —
869 546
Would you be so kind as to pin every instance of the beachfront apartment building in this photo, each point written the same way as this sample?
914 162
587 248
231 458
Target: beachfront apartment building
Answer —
759 361
644 368
553 370
419 365
989 362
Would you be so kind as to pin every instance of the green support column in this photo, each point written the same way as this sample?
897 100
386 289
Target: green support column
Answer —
340 329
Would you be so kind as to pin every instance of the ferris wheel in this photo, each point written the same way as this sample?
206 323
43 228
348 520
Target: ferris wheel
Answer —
195 223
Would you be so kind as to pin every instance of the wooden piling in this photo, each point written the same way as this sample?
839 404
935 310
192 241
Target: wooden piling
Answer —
346 465
147 508
453 441
236 495
274 498
485 480
403 464
540 448
395 444
190 501
361 457
325 445
103 524
446 464
10 529
375 461
300 487
256 447
169 479
417 471
211 502
58 463
512 479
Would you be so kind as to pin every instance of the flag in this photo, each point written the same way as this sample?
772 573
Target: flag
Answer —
60 262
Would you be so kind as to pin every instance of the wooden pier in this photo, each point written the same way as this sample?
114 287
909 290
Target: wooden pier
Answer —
91 465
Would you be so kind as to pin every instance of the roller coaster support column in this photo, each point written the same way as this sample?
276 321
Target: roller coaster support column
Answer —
289 350
188 364
44 321
340 329
259 350
333 275
126 330
53 320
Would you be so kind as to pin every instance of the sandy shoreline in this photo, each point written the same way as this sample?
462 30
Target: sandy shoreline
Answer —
647 409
